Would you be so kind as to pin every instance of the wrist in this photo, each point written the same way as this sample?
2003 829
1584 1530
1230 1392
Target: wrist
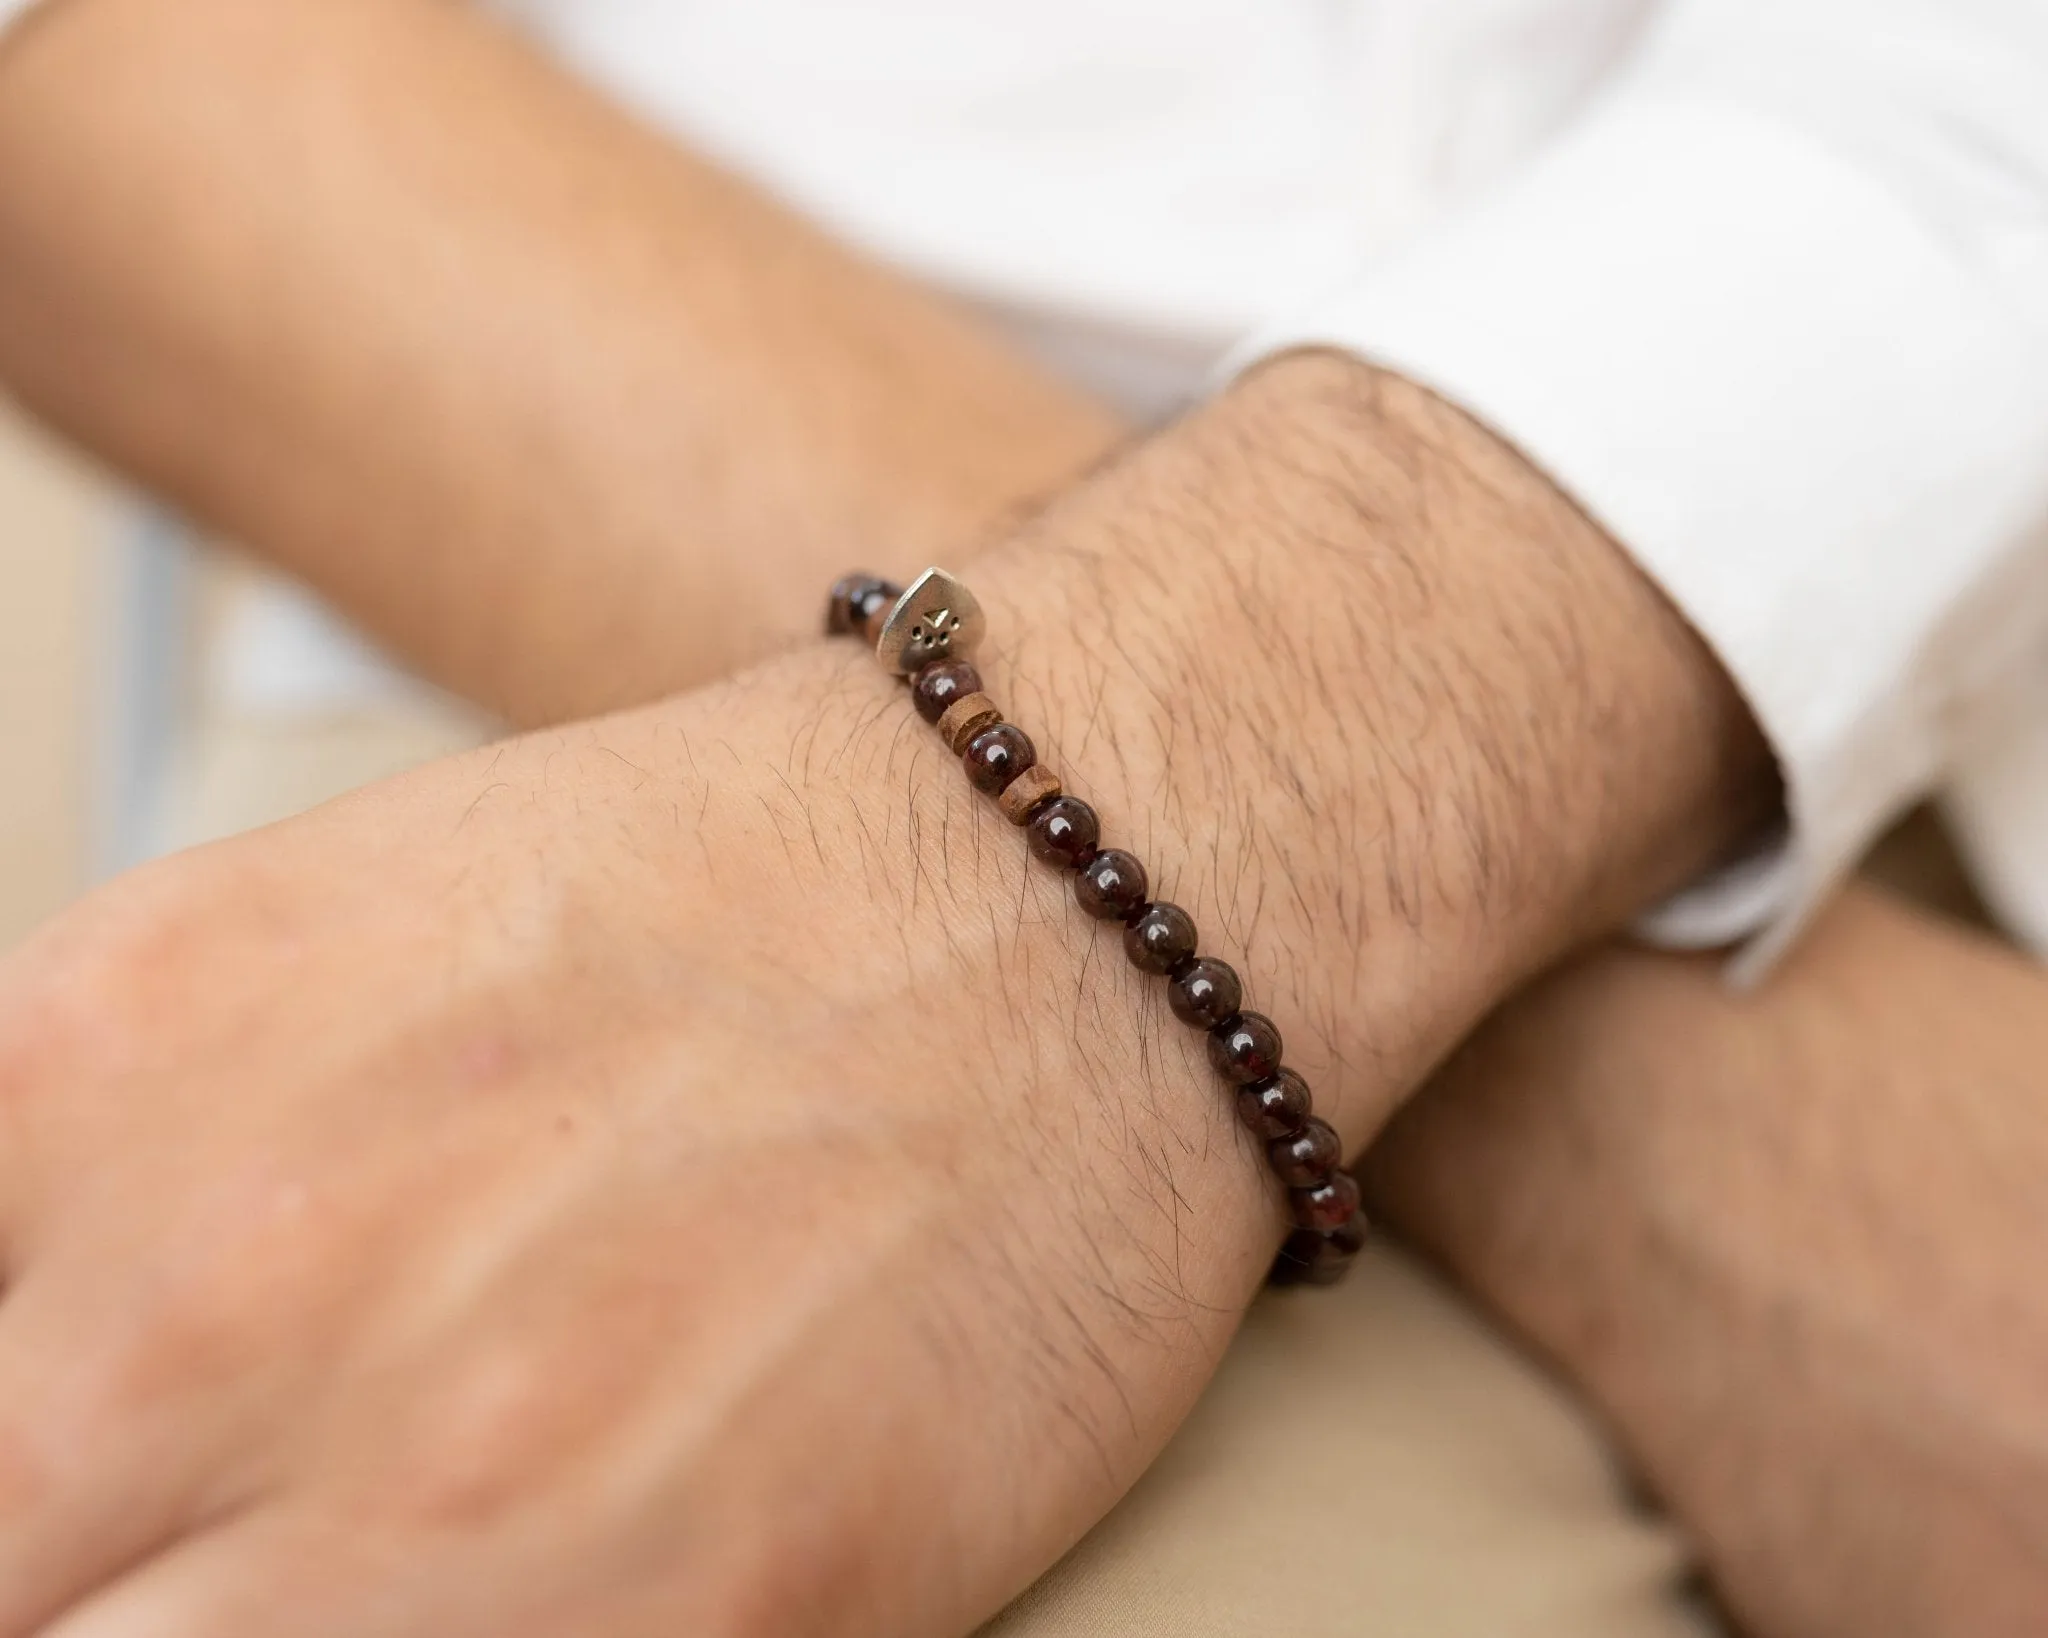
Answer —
1791 1233
1288 651
1389 717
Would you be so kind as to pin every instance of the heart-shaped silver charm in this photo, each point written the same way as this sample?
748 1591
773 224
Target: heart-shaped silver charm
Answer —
937 619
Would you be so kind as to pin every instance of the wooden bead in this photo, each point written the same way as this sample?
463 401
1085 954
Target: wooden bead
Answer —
1031 787
965 718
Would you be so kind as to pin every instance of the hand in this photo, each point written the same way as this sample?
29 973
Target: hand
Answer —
693 1172
1790 1244
620 1183
635 1180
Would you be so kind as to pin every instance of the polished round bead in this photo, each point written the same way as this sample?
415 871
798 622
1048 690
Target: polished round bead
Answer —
1275 1108
1295 1258
1245 1048
1205 992
997 755
1307 1157
874 602
1298 1258
1111 886
1330 1265
1328 1206
1351 1237
1312 1258
844 613
1064 832
939 684
1161 939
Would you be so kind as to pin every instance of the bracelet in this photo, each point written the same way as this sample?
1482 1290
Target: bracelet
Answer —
925 635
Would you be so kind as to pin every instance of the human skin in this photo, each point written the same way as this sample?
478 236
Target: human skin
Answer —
560 412
691 1171
711 404
1789 1243
533 393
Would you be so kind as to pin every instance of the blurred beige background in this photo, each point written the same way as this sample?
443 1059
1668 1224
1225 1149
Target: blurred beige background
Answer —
56 522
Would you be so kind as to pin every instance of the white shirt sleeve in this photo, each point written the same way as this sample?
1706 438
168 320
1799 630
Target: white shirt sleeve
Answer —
12 9
1776 313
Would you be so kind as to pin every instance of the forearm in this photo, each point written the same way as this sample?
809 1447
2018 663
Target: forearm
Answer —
558 411
1790 1243
721 1082
1288 650
1291 647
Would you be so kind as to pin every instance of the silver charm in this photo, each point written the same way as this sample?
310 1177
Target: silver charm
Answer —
937 619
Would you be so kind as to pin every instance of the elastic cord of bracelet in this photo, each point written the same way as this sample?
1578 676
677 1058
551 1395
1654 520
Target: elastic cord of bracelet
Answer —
926 634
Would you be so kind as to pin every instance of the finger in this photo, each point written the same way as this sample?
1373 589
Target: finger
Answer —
318 1573
245 1565
103 1462
81 1495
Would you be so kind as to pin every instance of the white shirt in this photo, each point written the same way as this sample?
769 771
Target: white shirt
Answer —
1763 284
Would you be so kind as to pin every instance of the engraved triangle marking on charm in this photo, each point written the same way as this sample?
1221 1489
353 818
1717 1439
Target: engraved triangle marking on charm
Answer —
936 619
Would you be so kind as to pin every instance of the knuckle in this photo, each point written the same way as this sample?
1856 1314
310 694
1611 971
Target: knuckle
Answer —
104 949
82 990
252 1274
47 1034
200 1330
139 942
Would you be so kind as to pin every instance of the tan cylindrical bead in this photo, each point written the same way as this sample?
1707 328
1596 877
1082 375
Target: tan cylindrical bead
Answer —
965 718
1026 791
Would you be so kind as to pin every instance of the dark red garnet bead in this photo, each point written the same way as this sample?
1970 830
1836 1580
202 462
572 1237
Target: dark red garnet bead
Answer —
1205 992
997 755
1276 1108
876 596
1296 1258
1328 1206
1307 1157
846 610
1111 885
939 684
1245 1048
1310 1258
1160 939
1063 831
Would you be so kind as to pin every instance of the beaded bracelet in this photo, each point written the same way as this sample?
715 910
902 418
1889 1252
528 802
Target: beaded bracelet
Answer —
925 635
